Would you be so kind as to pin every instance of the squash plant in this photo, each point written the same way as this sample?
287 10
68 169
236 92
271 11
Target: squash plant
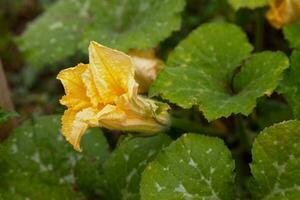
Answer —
219 118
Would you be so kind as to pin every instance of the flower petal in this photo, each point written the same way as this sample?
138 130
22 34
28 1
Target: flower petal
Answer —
116 119
91 89
147 67
74 125
112 71
131 114
283 12
294 9
104 93
75 91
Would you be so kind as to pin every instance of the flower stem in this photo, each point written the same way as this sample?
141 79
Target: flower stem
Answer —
259 31
190 126
241 133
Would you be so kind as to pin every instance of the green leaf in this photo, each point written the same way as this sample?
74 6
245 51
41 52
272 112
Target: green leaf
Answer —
202 71
276 161
192 167
38 151
68 26
292 34
20 187
290 86
5 116
46 3
123 169
54 35
251 4
89 169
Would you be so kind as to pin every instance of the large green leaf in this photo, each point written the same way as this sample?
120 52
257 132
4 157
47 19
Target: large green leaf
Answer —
69 25
290 86
54 35
123 169
292 34
202 71
276 162
88 170
237 4
37 151
192 167
21 186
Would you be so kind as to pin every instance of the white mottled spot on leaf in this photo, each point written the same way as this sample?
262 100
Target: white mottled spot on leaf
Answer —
192 163
36 157
14 148
130 175
151 153
159 187
209 150
126 157
56 25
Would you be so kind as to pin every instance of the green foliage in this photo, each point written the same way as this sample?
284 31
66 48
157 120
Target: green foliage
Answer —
192 167
212 71
292 34
202 71
20 187
55 34
5 116
37 152
88 170
123 169
251 4
290 86
276 162
270 112
68 26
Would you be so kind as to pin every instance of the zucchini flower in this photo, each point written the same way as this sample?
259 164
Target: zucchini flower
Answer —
104 93
147 67
283 12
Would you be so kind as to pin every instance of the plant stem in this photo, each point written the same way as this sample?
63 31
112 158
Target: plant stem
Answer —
189 126
241 132
259 31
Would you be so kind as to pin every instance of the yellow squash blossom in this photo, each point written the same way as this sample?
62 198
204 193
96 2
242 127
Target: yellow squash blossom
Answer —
147 67
104 93
283 12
